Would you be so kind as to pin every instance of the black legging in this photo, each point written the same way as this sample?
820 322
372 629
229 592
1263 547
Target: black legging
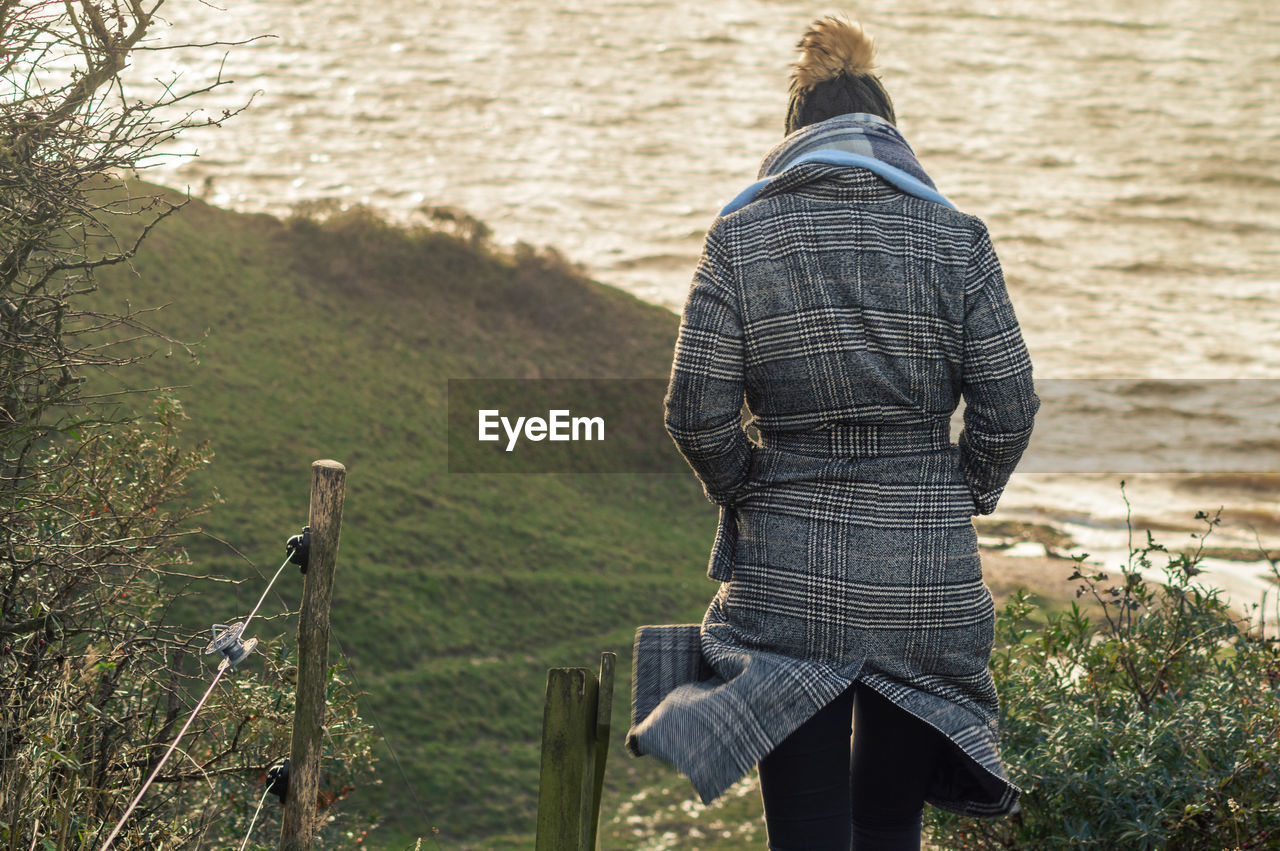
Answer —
822 793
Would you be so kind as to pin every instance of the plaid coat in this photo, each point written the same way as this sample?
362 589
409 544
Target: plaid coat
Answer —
852 318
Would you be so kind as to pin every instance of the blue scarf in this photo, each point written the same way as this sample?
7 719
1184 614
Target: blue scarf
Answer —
859 140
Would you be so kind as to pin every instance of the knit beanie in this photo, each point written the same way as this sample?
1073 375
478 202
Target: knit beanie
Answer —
833 75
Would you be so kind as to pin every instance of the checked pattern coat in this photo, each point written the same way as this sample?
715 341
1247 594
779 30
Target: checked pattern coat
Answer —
852 319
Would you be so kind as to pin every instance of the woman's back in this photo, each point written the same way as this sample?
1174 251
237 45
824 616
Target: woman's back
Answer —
853 318
860 318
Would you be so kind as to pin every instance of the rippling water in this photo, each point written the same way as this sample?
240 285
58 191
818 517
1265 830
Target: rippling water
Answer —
1126 156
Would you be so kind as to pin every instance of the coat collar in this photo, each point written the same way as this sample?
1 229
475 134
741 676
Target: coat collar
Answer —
855 143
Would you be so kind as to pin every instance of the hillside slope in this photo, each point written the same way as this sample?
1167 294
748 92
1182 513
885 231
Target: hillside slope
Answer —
455 592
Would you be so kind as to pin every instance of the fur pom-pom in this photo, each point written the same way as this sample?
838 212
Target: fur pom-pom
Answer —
832 46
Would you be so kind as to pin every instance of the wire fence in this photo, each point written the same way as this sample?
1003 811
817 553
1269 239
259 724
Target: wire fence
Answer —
233 638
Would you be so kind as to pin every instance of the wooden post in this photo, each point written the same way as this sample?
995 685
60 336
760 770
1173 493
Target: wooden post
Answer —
328 479
575 736
604 721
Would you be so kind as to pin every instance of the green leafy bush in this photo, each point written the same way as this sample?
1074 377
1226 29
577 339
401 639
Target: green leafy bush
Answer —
1149 720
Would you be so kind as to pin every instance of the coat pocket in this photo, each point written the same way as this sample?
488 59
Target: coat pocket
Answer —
961 484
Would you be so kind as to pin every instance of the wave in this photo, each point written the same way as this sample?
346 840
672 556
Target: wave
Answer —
1251 179
1258 483
1164 267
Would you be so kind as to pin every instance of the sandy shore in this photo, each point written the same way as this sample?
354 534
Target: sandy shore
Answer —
1043 576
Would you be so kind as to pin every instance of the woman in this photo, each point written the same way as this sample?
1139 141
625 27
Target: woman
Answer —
852 307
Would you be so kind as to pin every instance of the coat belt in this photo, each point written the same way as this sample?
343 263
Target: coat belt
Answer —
862 440
841 441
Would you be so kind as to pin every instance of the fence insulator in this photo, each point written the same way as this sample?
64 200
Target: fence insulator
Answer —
299 548
226 640
278 780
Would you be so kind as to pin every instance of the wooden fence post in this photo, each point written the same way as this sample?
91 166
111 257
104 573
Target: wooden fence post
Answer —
328 480
575 745
604 721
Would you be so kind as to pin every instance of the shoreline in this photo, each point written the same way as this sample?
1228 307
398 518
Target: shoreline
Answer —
1044 577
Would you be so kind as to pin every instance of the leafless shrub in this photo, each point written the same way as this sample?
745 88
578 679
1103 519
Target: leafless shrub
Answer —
93 679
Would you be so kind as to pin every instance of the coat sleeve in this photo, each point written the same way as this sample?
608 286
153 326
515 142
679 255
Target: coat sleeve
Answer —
703 405
1000 399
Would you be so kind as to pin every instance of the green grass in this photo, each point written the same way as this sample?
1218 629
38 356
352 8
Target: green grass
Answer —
454 592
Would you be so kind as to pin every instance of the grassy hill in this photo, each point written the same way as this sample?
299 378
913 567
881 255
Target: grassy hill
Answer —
335 338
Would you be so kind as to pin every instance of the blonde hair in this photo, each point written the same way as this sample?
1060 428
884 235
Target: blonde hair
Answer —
833 75
832 46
